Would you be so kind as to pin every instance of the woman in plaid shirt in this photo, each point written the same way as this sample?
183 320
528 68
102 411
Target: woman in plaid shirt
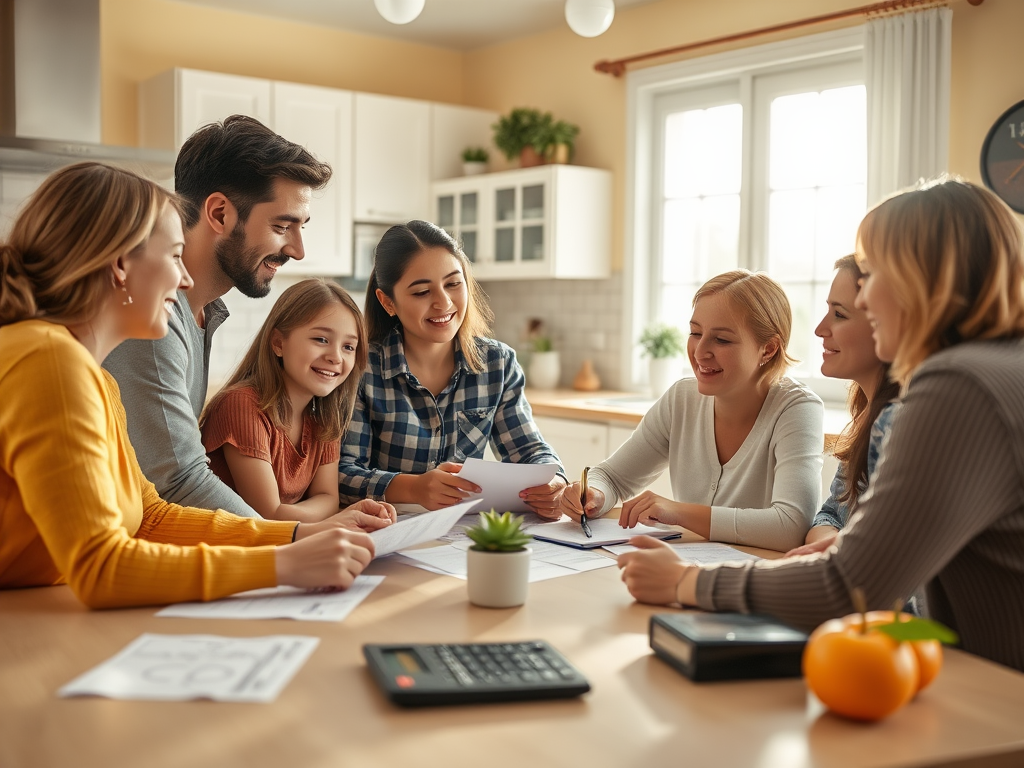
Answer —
437 389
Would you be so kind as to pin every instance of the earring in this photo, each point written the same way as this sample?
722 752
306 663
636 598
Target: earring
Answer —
313 409
127 296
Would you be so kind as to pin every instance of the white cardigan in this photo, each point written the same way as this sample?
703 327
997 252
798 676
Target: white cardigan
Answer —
764 496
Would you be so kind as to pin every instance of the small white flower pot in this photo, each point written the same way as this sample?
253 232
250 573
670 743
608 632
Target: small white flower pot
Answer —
663 373
497 579
474 168
545 370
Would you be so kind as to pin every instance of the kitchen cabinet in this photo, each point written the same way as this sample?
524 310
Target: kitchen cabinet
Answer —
453 129
174 104
553 221
582 444
391 160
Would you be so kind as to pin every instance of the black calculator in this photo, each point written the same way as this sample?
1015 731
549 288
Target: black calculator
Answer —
416 675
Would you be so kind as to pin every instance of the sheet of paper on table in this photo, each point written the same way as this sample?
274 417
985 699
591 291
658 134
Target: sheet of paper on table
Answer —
699 552
547 561
279 603
502 482
418 529
458 532
183 667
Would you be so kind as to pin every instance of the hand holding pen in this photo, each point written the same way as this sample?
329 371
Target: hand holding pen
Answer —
576 500
583 504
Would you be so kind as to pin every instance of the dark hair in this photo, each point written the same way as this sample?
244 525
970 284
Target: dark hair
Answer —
261 369
240 158
391 258
852 446
56 261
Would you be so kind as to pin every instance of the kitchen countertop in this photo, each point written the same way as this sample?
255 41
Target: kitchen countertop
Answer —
628 408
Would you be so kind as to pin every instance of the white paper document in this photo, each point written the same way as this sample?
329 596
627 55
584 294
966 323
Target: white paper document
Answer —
699 552
458 531
606 531
183 667
417 529
547 561
502 482
279 603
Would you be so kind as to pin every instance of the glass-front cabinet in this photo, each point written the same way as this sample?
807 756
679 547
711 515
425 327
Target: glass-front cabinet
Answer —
551 221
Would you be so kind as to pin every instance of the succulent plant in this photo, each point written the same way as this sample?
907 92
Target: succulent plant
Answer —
498 533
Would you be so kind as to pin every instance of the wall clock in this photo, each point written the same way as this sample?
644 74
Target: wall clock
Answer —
1002 157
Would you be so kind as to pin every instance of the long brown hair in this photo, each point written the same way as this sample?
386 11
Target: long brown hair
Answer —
852 446
262 370
391 258
56 261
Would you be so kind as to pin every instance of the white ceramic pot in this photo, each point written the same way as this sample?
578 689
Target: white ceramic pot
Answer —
497 579
663 373
545 370
474 168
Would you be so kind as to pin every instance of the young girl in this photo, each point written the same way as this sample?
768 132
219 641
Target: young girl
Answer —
437 389
849 353
944 291
272 433
743 443
94 259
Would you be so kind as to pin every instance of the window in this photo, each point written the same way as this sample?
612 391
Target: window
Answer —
753 159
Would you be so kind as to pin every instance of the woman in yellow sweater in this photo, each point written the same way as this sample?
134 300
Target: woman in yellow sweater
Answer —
94 259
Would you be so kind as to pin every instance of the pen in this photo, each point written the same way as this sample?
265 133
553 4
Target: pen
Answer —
583 503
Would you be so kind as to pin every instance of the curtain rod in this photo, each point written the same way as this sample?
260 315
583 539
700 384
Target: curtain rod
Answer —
617 67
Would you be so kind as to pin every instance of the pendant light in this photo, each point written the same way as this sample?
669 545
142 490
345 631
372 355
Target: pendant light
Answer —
400 11
589 18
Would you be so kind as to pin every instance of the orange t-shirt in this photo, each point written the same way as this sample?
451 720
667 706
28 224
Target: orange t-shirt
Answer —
238 421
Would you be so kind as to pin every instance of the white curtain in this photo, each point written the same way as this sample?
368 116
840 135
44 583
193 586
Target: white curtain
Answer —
907 70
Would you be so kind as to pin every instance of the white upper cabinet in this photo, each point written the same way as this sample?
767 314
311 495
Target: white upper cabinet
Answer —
452 130
173 104
553 221
392 159
320 119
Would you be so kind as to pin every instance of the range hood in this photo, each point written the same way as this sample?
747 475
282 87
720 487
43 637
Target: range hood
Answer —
50 90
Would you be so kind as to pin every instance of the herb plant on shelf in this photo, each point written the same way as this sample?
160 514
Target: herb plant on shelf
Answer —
666 346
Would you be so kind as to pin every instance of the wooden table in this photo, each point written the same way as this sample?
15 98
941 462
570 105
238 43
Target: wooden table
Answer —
640 712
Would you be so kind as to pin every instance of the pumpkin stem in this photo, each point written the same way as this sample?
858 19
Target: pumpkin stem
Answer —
897 610
860 604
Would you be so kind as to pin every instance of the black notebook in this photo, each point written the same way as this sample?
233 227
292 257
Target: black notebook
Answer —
727 646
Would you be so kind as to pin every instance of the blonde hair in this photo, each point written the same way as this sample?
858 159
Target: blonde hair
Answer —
953 254
263 371
765 310
56 260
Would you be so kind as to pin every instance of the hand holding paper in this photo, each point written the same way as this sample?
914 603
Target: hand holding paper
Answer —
503 481
410 531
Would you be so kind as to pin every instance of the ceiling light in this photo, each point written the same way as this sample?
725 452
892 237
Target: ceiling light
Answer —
400 11
589 18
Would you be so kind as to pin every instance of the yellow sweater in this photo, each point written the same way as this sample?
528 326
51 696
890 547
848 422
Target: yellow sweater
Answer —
75 506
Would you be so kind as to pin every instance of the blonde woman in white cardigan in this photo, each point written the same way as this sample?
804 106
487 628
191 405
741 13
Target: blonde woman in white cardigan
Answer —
742 443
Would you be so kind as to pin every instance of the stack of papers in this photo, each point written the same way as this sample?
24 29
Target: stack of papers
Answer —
419 529
606 531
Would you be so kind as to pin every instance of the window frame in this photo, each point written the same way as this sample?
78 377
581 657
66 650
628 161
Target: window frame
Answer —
650 88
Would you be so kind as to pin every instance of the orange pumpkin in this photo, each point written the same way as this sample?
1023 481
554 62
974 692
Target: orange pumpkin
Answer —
862 675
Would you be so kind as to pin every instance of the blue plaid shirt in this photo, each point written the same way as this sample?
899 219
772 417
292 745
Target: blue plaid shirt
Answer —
398 426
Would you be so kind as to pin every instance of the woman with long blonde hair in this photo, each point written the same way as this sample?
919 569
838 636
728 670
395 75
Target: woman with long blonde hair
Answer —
944 291
95 259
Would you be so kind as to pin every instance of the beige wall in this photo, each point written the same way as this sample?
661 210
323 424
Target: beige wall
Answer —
140 38
555 71
552 71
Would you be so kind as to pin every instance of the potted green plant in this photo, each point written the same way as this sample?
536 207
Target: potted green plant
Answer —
560 141
665 345
545 367
498 562
515 135
474 161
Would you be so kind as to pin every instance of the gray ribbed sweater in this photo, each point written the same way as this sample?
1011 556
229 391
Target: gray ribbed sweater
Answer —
945 509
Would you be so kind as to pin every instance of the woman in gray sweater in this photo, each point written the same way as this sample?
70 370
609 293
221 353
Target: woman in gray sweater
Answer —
944 289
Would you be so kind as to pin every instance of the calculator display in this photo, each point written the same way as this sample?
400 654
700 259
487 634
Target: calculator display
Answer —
403 660
408 661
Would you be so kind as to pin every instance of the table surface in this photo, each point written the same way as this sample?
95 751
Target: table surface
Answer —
639 713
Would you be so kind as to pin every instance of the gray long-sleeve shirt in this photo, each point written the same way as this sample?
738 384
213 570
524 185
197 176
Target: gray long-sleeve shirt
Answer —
163 386
945 509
